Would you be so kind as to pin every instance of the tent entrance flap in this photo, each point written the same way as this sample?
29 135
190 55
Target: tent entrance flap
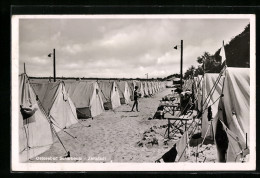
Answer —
108 105
122 100
84 113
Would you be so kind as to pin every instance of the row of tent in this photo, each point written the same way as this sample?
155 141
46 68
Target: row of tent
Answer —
91 98
55 106
228 95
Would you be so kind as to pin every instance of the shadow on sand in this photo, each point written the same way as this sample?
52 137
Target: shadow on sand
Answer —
197 140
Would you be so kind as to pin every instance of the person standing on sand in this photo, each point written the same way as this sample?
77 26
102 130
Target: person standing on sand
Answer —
135 99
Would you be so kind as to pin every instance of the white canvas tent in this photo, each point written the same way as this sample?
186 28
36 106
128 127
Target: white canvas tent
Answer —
132 88
157 86
150 88
110 94
87 98
234 115
210 98
169 83
163 85
146 93
35 134
198 90
154 87
124 92
57 104
140 87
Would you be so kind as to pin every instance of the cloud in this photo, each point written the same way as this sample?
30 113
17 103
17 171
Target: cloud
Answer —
119 47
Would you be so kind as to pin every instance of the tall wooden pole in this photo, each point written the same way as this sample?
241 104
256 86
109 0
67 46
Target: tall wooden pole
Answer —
203 67
181 60
24 69
54 66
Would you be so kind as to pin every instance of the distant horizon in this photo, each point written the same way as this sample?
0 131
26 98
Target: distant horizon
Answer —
94 78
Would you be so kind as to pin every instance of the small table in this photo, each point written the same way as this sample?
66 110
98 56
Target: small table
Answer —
176 118
170 107
167 101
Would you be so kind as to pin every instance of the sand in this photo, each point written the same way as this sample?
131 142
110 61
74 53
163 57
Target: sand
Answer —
123 136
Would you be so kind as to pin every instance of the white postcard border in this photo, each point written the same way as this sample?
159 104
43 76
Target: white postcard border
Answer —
17 166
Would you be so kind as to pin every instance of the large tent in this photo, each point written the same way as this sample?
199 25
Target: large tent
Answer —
169 83
57 104
124 92
110 94
157 86
132 88
162 85
35 134
140 87
87 98
154 88
232 130
145 87
150 88
198 91
212 88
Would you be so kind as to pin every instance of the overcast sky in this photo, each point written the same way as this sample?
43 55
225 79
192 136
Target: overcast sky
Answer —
119 47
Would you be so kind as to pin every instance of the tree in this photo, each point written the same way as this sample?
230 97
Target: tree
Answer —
237 55
189 72
203 57
198 71
237 50
209 63
172 75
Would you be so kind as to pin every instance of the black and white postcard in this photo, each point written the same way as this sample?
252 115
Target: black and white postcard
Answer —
133 92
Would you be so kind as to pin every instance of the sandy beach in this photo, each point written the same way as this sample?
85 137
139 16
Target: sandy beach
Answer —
122 136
